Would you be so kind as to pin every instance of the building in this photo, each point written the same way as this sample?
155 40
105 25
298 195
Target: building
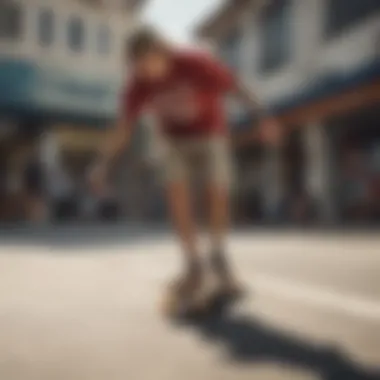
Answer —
316 64
61 70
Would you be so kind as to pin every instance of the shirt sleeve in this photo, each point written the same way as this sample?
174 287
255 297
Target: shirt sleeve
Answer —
133 100
213 73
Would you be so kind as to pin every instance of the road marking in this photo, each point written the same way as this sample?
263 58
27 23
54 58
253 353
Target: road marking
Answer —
353 305
313 251
314 295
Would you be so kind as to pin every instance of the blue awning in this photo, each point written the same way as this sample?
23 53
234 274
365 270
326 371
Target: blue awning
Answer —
27 90
320 88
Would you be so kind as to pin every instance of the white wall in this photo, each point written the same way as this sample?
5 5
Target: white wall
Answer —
58 56
312 56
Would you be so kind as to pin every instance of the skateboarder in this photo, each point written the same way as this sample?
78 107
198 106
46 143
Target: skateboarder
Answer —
185 91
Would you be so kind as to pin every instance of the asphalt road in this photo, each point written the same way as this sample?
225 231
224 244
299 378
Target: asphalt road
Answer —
86 306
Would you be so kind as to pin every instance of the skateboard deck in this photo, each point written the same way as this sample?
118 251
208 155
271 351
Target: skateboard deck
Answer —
208 303
174 307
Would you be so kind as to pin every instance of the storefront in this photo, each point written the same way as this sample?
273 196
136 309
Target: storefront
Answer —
61 117
14 152
327 132
358 158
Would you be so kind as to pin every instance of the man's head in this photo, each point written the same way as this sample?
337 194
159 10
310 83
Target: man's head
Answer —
149 55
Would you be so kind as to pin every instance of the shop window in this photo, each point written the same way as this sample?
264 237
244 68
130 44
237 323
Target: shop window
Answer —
275 49
103 40
10 20
46 30
229 49
342 14
76 34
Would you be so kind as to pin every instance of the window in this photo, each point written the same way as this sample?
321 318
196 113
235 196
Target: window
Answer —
131 4
76 34
230 50
103 40
275 36
341 14
10 20
46 27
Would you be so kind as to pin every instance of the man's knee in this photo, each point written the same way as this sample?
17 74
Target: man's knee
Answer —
220 170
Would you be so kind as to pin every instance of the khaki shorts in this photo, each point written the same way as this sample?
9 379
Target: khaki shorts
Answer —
200 159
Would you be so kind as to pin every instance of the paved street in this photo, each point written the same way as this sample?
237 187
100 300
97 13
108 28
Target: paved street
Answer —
86 306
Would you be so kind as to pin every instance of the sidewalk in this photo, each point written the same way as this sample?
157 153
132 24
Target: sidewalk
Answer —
73 234
109 233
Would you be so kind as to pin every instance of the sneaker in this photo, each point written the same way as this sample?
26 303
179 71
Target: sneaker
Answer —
226 283
188 290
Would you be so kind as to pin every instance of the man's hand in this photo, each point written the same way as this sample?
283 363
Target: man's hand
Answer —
270 131
97 178
114 144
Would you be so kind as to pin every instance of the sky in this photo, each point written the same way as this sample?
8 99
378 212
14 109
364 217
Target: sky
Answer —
177 18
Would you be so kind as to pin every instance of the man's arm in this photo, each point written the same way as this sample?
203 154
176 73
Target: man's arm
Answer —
268 129
131 104
215 74
116 141
249 99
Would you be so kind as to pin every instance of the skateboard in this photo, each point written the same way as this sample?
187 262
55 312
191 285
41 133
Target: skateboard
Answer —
220 303
176 307
209 302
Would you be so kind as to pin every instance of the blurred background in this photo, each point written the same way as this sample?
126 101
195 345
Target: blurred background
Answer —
78 296
314 63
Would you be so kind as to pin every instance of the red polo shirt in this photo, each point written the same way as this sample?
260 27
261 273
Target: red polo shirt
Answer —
189 101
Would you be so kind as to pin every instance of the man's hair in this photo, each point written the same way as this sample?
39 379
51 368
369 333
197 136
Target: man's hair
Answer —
142 42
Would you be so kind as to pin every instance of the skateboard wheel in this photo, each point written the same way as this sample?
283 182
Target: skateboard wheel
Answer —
170 305
175 306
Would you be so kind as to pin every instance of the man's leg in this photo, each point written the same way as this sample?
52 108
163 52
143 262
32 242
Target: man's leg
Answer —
218 189
180 207
179 200
219 215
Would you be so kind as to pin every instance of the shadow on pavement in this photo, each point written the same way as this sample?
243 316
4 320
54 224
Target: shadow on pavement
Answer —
250 340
